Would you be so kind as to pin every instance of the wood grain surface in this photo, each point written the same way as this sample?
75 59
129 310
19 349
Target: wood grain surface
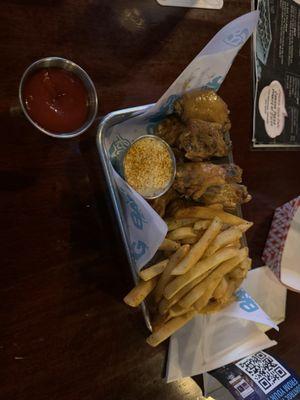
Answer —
65 334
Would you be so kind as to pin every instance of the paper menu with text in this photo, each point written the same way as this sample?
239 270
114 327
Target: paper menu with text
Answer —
210 4
260 376
276 122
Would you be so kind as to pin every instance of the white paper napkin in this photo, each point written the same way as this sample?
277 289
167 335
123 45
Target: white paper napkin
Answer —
211 341
146 229
246 308
290 266
268 292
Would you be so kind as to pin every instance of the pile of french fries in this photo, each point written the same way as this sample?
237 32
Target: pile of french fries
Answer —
204 263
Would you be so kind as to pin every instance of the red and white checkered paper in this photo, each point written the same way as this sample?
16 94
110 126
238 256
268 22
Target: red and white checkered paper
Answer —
275 243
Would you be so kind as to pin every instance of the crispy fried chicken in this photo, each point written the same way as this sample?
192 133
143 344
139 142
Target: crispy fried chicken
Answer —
203 104
194 178
169 129
229 194
203 140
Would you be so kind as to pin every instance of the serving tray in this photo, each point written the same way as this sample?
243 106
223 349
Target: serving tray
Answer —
103 132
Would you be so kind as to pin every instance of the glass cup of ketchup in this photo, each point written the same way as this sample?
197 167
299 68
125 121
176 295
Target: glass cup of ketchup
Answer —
58 97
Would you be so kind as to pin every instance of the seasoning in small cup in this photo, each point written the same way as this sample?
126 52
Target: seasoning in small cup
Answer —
149 166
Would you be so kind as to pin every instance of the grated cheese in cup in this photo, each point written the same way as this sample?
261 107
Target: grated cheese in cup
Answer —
149 166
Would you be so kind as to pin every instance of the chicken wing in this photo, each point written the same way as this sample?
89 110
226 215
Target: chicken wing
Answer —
203 104
229 194
193 179
203 140
169 129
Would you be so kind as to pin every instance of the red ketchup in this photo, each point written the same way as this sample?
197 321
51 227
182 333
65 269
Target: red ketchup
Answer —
56 99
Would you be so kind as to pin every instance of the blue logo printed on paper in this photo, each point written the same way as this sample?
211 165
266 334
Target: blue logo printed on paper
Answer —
237 38
138 249
166 109
136 214
246 302
118 146
215 83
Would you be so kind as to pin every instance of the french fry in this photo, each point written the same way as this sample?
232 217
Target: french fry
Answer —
185 232
199 248
202 224
174 223
165 276
237 273
224 238
169 328
201 305
196 293
216 206
226 226
158 322
215 306
232 286
221 289
209 213
237 244
140 292
199 269
212 307
190 240
214 278
165 304
246 264
245 226
237 283
241 270
204 299
169 245
154 270
176 311
230 264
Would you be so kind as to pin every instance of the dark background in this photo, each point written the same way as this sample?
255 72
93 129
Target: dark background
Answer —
65 333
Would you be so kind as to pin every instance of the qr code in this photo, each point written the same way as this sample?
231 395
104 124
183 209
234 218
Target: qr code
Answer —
264 370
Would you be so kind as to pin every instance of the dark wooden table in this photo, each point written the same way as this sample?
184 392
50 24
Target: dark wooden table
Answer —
65 333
